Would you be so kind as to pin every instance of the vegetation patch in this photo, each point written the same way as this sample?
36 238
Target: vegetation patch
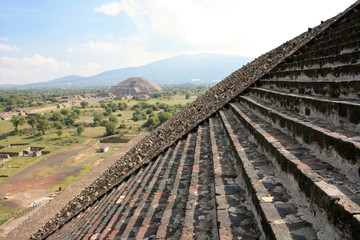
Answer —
45 171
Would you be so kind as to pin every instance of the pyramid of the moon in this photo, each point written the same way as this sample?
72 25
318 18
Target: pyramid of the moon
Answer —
134 86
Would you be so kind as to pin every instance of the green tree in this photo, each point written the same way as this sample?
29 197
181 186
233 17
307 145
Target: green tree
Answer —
163 116
64 111
98 117
69 120
39 117
187 95
56 116
80 130
84 104
152 122
113 119
59 133
32 122
43 126
149 111
17 121
110 127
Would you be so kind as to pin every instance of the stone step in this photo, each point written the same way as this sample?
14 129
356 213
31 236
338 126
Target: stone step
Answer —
88 217
69 229
349 44
88 220
157 190
321 62
343 72
279 211
347 90
87 231
144 227
348 26
117 224
330 193
234 214
166 221
338 147
200 215
344 112
96 216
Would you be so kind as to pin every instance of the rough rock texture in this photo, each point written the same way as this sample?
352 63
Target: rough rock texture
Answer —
284 171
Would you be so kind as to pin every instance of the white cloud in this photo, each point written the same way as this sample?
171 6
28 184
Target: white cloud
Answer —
90 69
131 52
8 48
226 26
31 69
114 8
7 72
36 61
4 39
70 50
103 47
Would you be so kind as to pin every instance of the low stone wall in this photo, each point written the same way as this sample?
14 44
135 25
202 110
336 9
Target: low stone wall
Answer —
114 140
176 127
12 154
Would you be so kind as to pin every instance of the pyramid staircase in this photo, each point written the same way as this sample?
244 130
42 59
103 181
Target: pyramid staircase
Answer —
279 161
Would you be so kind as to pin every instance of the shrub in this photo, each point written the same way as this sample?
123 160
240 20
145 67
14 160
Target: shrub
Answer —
80 130
110 128
113 119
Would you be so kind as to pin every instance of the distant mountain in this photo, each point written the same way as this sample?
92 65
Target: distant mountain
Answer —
7 86
200 68
63 82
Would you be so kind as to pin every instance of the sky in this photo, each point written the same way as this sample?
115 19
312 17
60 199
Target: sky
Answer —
41 40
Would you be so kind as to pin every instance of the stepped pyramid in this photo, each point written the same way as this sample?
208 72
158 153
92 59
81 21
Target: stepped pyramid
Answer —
134 86
271 152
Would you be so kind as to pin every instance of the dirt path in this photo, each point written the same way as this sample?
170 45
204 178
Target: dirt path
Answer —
22 189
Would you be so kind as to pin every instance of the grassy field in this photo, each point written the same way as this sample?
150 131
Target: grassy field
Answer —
69 138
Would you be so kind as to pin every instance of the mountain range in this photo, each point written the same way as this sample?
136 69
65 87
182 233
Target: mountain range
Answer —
200 68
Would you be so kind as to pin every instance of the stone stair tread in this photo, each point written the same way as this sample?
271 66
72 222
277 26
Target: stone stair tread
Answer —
121 218
348 43
305 155
200 205
339 89
318 124
172 214
232 210
320 99
274 199
347 204
348 65
323 61
335 111
138 215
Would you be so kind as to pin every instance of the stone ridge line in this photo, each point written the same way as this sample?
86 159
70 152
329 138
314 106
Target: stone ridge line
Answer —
182 123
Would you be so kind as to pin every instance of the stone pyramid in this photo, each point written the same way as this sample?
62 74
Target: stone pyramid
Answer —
134 86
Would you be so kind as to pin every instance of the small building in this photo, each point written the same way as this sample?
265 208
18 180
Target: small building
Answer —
103 149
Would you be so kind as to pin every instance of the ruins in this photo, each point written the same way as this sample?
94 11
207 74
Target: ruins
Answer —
271 152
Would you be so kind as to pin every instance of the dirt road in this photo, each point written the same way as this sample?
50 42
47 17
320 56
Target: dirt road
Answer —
22 189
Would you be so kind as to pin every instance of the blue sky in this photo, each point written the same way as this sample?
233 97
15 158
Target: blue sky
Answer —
43 40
